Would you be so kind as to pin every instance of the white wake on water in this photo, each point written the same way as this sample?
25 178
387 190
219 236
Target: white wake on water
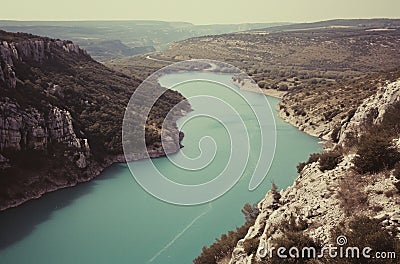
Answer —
177 236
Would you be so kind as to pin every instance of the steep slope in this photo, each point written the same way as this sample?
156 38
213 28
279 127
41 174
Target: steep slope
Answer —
321 201
61 116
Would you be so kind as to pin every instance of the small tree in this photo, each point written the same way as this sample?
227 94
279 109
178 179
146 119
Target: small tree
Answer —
335 134
312 158
329 160
283 87
374 154
250 212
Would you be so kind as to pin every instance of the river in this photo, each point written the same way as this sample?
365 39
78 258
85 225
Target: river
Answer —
111 219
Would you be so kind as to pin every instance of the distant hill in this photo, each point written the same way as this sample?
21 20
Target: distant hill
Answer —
379 23
139 36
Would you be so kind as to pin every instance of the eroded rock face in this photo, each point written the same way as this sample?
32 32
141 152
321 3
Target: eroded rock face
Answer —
370 111
36 51
32 50
307 201
310 124
35 82
8 53
313 202
29 129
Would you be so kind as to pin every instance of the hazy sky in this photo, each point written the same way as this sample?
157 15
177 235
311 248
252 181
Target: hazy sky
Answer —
199 11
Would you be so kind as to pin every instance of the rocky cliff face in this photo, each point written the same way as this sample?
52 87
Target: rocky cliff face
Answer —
320 110
309 123
370 112
315 202
61 117
37 51
29 129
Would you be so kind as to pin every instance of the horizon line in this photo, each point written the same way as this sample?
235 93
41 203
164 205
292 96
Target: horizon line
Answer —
177 21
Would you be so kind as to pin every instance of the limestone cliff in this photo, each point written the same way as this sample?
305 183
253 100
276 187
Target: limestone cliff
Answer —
31 129
320 111
61 117
36 50
319 200
370 112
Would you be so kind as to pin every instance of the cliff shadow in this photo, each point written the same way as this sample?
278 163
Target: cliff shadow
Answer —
19 222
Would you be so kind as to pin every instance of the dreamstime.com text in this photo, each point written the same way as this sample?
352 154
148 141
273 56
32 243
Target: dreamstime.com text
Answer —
339 251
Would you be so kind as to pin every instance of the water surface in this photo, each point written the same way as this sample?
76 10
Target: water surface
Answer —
113 220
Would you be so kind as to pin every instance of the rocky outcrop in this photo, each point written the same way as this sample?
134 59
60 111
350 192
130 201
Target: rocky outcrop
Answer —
370 112
315 201
30 129
8 53
309 123
36 51
308 200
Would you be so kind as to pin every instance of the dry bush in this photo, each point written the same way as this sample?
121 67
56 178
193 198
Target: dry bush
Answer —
329 160
362 232
351 195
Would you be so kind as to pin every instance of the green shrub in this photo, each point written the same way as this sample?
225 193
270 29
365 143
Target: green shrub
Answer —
329 160
375 149
350 114
224 246
300 166
283 87
351 195
250 212
292 236
312 158
397 185
375 153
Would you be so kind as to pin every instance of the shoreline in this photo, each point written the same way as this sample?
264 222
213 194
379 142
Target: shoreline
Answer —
94 170
248 85
274 93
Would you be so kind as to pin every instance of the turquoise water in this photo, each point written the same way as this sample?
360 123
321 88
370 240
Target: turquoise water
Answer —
113 220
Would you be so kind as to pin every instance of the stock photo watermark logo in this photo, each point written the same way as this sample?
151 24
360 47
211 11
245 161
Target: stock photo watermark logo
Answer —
341 250
221 90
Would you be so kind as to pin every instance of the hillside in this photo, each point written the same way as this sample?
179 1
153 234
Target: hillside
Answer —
341 83
105 40
61 116
380 23
326 71
351 190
